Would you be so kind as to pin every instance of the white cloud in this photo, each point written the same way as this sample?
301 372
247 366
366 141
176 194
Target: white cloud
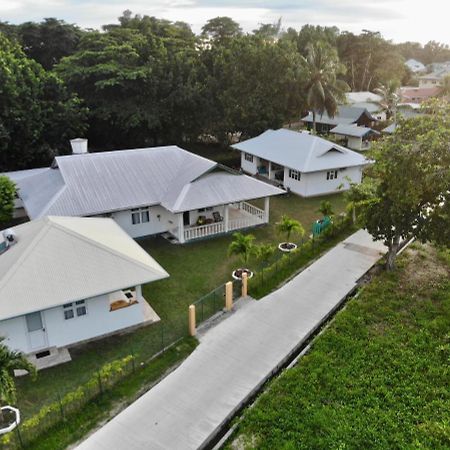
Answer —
399 20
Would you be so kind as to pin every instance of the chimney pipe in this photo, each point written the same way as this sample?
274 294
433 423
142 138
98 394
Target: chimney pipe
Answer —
79 146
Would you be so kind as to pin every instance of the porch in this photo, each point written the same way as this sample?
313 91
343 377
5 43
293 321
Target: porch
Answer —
270 170
220 220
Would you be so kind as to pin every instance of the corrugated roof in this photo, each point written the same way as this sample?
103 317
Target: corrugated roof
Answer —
59 260
362 97
390 128
352 130
300 151
220 188
344 115
96 183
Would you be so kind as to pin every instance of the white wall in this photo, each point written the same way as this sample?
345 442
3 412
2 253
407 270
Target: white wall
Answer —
164 222
316 183
354 142
249 167
427 83
98 321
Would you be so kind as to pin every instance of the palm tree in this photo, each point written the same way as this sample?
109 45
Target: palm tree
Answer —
242 245
389 98
289 226
326 208
324 91
10 360
263 252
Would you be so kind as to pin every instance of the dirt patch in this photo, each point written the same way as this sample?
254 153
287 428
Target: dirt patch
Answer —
423 269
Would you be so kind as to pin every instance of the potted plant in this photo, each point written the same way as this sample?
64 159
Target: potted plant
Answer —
242 245
9 361
288 227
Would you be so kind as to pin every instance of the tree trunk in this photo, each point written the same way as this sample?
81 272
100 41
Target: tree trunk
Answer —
314 122
354 215
392 253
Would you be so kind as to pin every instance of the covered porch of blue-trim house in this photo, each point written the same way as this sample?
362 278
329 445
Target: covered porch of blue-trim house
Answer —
220 219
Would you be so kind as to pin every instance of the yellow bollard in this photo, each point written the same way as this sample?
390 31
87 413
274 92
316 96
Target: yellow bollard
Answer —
228 296
244 284
192 328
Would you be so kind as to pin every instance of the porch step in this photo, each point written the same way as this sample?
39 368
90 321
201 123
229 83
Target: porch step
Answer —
46 358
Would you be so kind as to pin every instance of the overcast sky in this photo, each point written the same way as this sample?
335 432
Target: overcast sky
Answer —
399 20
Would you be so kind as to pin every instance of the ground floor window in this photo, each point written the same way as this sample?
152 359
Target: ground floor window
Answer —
294 174
332 174
248 157
140 215
75 308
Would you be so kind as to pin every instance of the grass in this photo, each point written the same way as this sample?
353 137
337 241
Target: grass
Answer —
76 426
196 268
377 378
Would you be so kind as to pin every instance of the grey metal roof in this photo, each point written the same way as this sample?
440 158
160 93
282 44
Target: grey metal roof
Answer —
362 97
352 130
344 115
390 128
300 151
95 183
58 260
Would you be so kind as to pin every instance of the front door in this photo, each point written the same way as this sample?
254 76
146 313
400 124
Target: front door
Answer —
186 218
36 331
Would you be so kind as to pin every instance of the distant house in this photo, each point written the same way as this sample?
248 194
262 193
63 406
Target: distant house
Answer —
410 94
355 137
415 66
146 191
367 100
305 164
434 78
66 280
345 115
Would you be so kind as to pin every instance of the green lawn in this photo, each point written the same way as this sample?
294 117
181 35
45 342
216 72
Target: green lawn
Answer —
377 378
195 269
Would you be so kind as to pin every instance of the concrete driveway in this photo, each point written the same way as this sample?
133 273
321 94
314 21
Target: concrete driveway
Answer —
233 358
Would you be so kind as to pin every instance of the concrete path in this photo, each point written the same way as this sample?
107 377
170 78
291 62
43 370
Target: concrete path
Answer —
185 409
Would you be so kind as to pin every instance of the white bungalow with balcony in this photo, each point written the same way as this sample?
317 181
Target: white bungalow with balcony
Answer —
146 191
303 163
67 280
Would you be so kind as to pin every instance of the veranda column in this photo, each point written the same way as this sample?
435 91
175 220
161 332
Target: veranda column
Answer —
270 170
226 217
266 209
180 228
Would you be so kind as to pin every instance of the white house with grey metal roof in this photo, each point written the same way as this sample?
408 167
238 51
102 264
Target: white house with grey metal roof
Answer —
354 137
345 114
303 163
146 191
65 280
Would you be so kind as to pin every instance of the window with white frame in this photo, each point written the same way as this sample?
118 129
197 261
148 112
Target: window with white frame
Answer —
248 157
294 174
77 308
332 174
140 215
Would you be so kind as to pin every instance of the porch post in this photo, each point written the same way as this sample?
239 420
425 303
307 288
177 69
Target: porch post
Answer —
270 170
266 209
226 216
180 228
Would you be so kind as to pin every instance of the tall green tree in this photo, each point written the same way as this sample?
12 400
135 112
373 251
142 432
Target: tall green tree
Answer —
38 115
409 183
324 91
9 361
221 30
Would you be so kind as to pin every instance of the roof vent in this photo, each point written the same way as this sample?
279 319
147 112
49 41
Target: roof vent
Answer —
79 146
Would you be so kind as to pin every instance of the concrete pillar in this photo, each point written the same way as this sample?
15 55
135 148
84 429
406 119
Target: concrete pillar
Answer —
266 209
180 228
244 285
270 170
192 325
228 296
226 217
138 289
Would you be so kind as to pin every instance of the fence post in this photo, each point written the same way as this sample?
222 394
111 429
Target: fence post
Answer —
192 330
244 284
228 295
